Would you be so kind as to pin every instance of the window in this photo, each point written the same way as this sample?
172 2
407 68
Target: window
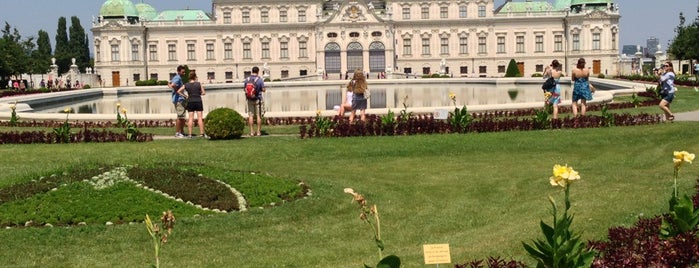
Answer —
463 69
171 52
227 17
154 76
426 70
265 49
425 46
153 52
303 49
97 53
614 41
501 44
408 70
136 77
444 12
115 52
406 13
463 45
482 45
558 43
303 72
228 51
284 49
332 35
229 75
191 52
211 76
283 16
302 15
209 51
520 44
246 16
247 52
482 69
481 11
264 16
444 45
501 68
376 34
354 34
539 40
285 73
463 12
134 52
425 12
407 47
539 68
595 41
576 42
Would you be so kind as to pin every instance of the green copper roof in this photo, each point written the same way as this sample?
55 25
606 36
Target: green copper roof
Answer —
589 2
517 7
561 4
146 11
118 8
187 15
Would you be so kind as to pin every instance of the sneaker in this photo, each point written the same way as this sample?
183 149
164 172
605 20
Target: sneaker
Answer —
179 135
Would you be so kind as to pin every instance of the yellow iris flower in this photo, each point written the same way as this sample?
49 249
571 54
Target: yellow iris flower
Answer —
563 175
681 157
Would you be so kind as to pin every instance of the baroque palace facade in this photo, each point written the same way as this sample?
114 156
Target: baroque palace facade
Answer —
293 39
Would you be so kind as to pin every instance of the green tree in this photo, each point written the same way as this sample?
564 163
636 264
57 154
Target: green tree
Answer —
77 43
62 52
42 55
512 70
14 52
685 45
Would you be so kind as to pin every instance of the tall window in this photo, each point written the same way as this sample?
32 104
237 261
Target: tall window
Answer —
303 49
285 73
283 16
614 40
520 44
247 52
284 49
134 52
153 52
444 12
211 75
264 16
115 52
302 15
191 52
558 43
481 11
406 13
171 52
407 46
98 54
463 45
444 45
246 16
425 12
482 69
539 40
265 49
576 42
595 41
426 46
227 17
463 11
501 44
209 51
482 45
228 51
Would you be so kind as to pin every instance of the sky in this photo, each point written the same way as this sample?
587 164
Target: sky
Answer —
640 19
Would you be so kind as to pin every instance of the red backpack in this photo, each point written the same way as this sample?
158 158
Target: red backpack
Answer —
251 89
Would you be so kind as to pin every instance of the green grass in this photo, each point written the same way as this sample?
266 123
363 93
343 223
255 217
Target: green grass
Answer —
483 194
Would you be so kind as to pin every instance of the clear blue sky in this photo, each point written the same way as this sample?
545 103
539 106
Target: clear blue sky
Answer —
640 19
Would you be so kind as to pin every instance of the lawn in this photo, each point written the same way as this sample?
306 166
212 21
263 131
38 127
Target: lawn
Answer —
483 194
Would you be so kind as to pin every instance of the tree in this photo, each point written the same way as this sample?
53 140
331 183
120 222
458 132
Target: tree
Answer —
685 45
42 55
13 52
62 52
77 43
512 69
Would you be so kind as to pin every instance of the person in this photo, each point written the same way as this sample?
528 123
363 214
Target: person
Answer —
667 83
177 100
15 85
359 88
255 105
554 70
696 70
194 102
346 104
582 91
42 84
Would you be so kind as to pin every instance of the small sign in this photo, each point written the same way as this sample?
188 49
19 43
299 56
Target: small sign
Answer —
437 253
441 114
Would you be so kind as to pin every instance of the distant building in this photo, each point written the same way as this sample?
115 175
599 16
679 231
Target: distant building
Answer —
629 50
652 45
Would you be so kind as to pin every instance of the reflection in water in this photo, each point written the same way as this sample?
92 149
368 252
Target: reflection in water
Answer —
312 98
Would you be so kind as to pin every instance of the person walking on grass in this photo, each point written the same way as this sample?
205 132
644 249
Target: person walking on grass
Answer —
254 107
195 103
177 100
666 79
582 90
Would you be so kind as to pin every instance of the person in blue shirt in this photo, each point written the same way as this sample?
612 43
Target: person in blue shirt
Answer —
178 100
254 107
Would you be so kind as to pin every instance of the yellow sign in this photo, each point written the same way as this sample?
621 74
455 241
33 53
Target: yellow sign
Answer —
436 253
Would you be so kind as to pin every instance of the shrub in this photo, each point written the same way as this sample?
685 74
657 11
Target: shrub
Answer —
86 86
537 75
224 124
601 76
161 83
435 75
512 70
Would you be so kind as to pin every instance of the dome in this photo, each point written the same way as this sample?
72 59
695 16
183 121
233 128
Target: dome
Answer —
146 11
590 2
118 9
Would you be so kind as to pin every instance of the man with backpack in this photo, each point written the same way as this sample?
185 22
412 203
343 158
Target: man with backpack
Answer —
253 86
178 99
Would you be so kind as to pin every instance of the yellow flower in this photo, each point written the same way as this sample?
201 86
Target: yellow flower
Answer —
118 105
67 110
681 157
547 95
452 96
317 112
13 105
563 175
123 110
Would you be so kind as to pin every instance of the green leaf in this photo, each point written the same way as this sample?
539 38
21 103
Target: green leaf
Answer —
379 244
391 261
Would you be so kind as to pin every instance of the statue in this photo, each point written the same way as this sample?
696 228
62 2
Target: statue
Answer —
53 61
443 66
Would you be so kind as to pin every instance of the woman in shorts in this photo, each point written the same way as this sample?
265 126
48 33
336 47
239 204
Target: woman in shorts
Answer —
194 102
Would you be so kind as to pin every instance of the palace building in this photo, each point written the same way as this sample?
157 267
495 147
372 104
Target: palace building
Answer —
325 39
